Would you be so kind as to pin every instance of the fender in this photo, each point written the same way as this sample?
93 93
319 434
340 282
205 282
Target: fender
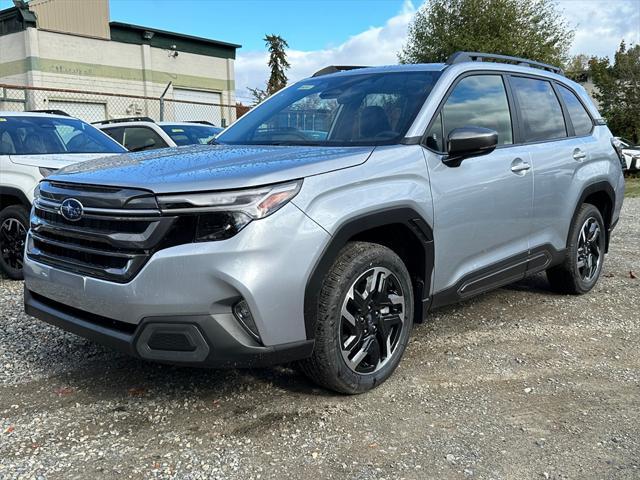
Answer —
359 224
13 192
597 187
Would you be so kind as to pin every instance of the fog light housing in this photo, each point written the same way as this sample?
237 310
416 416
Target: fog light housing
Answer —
243 314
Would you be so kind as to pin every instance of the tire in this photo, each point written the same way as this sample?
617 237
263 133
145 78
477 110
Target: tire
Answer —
578 273
14 223
345 332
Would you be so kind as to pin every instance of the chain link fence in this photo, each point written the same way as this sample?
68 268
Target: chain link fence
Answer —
93 106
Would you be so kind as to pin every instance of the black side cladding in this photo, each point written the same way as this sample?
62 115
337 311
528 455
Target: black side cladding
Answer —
406 216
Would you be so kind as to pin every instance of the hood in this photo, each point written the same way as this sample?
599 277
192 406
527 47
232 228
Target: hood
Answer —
211 167
58 160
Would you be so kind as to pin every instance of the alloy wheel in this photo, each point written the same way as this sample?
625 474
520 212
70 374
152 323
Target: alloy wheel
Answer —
372 320
13 235
589 249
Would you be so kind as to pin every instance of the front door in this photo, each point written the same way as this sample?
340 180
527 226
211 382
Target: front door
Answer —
482 208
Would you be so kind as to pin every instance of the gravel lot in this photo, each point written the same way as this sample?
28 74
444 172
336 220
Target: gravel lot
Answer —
516 384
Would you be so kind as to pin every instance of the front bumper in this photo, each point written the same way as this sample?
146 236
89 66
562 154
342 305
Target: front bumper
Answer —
188 340
195 284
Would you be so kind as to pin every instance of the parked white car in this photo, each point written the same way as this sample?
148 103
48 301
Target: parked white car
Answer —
32 146
631 153
143 133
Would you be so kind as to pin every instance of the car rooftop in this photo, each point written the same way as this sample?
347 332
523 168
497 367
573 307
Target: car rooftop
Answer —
460 61
31 114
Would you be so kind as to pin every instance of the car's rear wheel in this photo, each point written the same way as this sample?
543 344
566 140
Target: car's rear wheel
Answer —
364 319
585 254
14 223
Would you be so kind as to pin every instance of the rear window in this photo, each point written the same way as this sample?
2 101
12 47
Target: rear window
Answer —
540 109
580 119
22 135
136 139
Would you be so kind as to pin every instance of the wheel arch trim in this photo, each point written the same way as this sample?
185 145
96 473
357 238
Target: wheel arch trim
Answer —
359 224
14 192
598 187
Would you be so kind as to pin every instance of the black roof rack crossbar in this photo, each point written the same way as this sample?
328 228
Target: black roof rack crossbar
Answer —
121 120
336 68
202 122
51 112
460 57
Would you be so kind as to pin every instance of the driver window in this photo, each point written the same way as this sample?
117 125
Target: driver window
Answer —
479 101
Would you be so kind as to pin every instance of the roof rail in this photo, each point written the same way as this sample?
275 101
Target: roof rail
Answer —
460 57
336 68
51 112
122 120
202 122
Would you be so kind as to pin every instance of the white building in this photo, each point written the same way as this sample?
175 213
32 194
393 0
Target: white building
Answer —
63 45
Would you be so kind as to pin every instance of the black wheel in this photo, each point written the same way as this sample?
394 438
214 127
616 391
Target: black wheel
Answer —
14 223
585 254
364 319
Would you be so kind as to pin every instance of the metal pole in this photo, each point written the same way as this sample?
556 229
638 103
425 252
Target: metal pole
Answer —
162 101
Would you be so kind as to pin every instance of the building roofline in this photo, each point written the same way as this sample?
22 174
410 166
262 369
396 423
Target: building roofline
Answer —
140 28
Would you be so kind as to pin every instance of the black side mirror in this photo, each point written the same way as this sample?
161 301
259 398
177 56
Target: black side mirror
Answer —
468 142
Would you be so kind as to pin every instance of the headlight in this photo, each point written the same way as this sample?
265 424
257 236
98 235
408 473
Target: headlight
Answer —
223 214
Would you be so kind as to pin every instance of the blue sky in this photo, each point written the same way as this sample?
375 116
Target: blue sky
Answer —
307 24
325 32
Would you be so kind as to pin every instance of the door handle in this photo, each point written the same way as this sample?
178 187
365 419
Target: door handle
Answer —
518 166
579 155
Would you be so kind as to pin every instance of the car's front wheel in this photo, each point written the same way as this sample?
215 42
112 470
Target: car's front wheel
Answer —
364 319
14 223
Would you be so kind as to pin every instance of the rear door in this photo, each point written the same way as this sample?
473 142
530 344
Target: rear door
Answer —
557 153
482 208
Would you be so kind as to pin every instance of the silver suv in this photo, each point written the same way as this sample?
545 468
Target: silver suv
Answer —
331 218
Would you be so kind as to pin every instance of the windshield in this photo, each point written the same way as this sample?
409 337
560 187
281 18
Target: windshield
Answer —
21 135
191 134
361 109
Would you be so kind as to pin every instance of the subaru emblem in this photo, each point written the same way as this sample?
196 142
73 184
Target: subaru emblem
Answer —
71 209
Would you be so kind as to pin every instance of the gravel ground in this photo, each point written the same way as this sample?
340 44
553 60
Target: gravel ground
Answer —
515 384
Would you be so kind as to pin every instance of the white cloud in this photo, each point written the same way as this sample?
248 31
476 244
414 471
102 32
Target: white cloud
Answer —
599 28
374 46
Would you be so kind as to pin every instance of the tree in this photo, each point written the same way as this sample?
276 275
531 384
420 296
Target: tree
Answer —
258 95
532 29
618 90
578 68
277 63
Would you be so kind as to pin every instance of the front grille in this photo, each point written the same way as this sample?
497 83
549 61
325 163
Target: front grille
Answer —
116 235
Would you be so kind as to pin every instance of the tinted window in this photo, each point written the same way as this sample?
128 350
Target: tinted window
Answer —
539 108
115 133
354 109
479 101
434 135
191 134
580 119
136 139
23 135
